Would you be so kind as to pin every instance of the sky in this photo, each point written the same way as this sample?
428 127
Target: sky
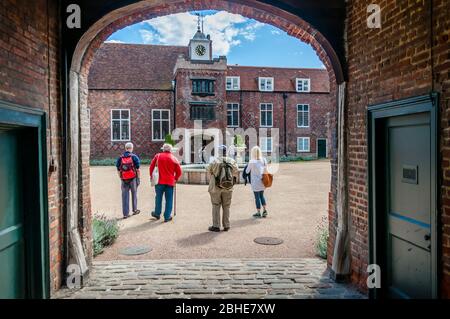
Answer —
244 41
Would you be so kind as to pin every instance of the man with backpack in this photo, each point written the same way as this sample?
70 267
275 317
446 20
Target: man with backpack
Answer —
224 173
128 169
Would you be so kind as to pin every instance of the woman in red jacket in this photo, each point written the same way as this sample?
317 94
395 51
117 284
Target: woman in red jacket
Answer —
169 171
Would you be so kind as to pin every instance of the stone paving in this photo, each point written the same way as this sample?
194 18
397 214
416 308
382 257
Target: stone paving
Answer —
218 279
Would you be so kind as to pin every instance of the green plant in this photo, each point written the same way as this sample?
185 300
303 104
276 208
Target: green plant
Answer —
239 141
322 238
168 140
105 232
112 162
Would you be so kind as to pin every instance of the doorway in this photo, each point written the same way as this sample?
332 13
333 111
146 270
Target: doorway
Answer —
322 148
402 142
24 271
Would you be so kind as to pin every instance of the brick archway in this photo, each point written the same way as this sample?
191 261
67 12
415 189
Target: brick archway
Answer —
78 168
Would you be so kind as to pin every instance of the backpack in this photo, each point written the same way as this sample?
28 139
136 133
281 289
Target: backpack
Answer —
127 170
225 179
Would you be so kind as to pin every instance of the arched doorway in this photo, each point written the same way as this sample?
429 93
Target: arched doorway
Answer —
79 128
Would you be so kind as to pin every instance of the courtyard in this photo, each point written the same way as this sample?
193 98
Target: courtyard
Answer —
297 205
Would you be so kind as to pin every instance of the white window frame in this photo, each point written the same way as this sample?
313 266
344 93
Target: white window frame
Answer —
160 120
309 144
303 80
238 116
309 115
233 78
263 145
260 114
121 120
265 79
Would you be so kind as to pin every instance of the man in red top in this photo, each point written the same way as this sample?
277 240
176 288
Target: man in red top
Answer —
169 171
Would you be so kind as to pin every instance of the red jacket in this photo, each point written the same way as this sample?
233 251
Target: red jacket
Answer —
169 168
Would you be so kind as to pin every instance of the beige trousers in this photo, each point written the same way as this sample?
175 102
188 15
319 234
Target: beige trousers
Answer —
221 198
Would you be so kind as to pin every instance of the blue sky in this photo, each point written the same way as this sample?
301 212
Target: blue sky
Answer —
244 41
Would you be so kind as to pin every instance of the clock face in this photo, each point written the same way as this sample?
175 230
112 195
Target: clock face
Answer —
200 50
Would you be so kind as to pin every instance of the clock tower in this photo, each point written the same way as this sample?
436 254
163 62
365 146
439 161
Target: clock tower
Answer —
200 46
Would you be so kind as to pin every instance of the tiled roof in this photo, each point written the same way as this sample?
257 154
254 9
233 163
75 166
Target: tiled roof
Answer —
134 66
284 78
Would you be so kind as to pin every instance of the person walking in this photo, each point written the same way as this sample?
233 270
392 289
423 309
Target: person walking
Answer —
224 172
256 168
128 170
169 171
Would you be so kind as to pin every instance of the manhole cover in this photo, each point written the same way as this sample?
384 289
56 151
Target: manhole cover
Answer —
133 251
268 241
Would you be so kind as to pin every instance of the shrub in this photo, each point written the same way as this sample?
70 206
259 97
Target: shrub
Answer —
105 232
168 140
322 238
112 162
296 158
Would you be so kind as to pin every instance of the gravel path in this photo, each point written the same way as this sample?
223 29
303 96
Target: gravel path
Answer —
297 202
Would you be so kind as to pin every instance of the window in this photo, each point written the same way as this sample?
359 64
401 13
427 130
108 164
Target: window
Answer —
203 87
233 115
266 115
302 144
203 112
120 125
266 84
302 115
265 143
160 124
303 85
233 83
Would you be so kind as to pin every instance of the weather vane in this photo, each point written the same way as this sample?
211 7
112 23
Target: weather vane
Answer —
200 22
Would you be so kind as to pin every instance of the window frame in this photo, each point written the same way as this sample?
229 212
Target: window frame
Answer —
160 120
238 78
208 83
238 114
260 79
297 82
264 149
309 115
309 144
261 117
204 106
120 121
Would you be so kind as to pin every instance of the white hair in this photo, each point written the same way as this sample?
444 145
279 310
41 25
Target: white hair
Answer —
167 148
129 146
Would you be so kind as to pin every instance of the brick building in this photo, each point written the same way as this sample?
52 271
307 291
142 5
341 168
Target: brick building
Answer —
140 93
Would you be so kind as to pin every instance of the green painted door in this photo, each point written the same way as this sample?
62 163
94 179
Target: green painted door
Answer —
12 243
409 206
322 148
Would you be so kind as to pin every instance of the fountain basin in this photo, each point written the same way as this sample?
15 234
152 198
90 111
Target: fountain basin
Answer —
196 174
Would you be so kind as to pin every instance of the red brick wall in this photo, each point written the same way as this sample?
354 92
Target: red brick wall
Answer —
140 104
29 76
387 64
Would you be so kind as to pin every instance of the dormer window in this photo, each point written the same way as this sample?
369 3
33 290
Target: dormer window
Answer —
202 87
266 84
303 85
233 83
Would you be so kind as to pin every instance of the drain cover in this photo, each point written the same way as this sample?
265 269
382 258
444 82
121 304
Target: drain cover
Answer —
137 250
268 241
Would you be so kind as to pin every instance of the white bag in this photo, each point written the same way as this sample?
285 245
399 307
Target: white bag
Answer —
155 177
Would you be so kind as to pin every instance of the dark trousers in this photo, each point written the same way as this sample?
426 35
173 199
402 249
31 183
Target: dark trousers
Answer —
167 191
259 199
127 187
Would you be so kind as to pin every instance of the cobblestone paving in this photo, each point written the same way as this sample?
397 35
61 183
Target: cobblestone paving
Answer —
253 279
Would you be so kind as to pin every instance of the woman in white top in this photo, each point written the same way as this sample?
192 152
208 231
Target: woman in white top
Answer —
256 169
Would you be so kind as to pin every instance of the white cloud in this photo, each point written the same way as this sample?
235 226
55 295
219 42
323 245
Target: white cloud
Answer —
114 41
226 29
148 37
275 32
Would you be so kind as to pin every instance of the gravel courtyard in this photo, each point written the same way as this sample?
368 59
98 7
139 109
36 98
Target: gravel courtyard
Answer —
297 203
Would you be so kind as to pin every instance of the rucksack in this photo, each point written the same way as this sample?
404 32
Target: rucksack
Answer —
225 178
127 169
